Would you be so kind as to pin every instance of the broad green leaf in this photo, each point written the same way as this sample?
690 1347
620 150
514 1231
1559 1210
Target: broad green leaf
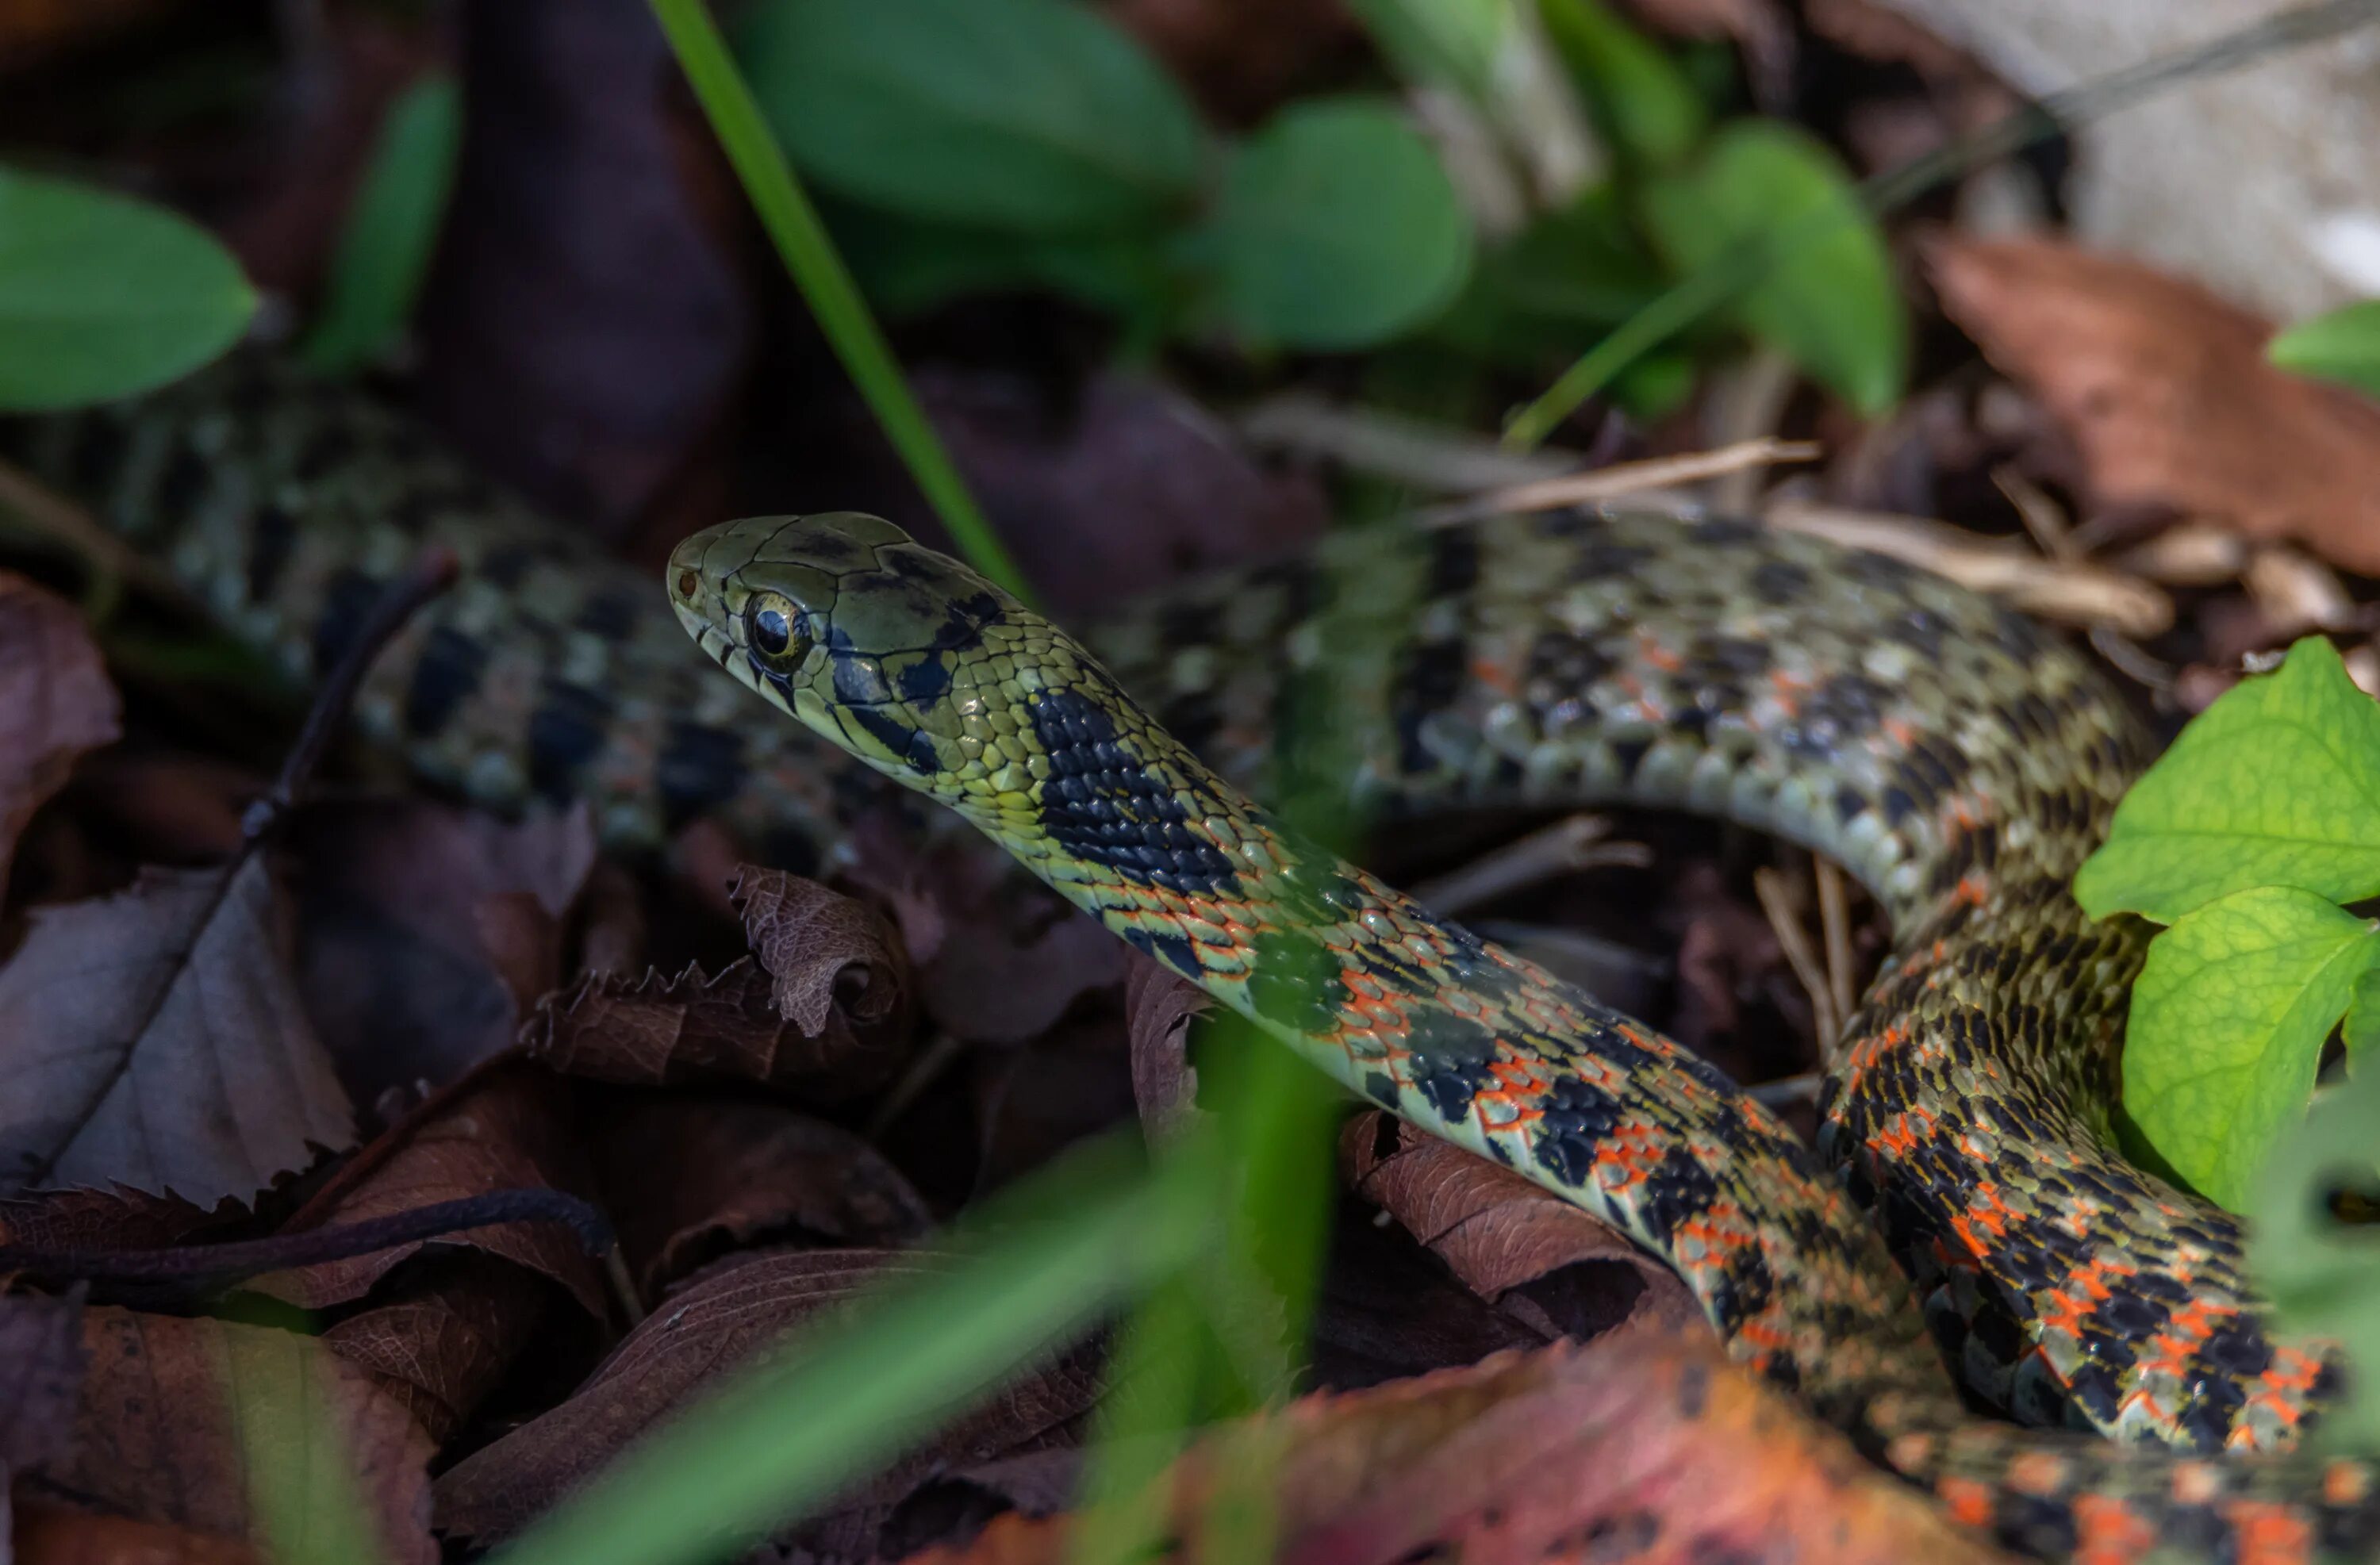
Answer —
2227 1024
1336 229
1548 291
2322 1272
1642 102
908 266
102 297
1037 116
2277 783
384 248
1825 295
2343 346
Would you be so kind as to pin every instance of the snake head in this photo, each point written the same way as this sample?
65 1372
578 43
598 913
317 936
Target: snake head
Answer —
865 636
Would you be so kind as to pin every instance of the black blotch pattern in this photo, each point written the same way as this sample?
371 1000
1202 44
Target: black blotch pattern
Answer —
1102 806
925 682
914 746
1174 951
701 766
566 733
444 678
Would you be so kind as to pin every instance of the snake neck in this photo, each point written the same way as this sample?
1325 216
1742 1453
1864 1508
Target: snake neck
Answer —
1424 1019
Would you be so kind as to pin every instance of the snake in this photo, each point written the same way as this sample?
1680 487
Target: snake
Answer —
1962 1273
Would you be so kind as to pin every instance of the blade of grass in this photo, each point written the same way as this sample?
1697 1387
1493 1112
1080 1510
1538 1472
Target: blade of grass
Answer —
781 1436
818 269
1702 292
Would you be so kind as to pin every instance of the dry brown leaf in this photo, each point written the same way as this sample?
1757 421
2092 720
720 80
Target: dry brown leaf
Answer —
1652 1448
419 924
505 1127
444 1338
41 1375
1159 1005
827 951
717 1322
111 1219
50 1534
157 1438
663 1031
56 702
1524 1249
2165 388
690 1177
154 1039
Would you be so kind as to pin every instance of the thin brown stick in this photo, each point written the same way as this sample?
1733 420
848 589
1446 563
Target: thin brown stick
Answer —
1778 902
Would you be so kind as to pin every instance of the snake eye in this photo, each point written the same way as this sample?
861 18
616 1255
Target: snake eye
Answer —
771 627
688 584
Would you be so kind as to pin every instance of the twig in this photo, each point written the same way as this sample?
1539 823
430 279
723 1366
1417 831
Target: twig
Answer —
1626 478
1573 844
1777 902
1438 457
2075 593
1835 921
1786 1092
432 574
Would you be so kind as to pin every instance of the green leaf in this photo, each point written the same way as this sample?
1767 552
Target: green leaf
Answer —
1825 296
2323 1273
1642 101
2343 346
1336 229
2277 783
384 248
102 295
907 266
2361 1030
1453 42
1036 116
2227 1025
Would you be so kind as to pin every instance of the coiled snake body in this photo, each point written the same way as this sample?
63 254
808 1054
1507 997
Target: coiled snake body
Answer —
1957 759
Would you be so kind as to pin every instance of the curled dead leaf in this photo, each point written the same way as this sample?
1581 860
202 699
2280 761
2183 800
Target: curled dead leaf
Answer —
663 1031
2165 388
690 1177
826 951
1527 1251
154 1039
56 702
1159 1005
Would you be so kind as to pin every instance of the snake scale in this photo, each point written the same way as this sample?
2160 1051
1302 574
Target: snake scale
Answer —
1961 1236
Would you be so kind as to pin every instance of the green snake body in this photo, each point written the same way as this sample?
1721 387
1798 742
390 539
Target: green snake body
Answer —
1956 759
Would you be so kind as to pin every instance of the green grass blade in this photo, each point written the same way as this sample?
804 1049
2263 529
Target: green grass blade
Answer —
385 246
825 282
781 1438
